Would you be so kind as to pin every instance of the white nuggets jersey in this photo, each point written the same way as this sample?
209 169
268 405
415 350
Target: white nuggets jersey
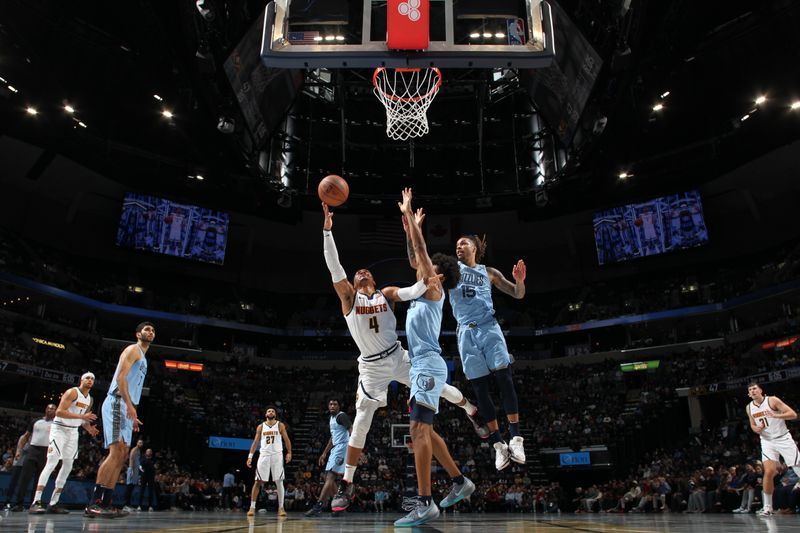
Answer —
773 427
77 407
372 324
271 441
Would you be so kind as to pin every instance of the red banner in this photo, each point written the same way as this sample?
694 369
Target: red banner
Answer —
408 24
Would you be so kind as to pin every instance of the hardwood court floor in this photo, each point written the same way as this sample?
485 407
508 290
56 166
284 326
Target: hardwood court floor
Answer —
227 522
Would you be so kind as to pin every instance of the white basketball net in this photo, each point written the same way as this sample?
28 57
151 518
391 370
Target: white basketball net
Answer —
406 94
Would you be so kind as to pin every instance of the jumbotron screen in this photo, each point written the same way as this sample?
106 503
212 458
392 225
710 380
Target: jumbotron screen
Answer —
162 226
660 225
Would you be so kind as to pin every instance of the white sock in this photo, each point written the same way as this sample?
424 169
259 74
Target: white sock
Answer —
56 495
252 505
349 472
468 406
767 501
38 496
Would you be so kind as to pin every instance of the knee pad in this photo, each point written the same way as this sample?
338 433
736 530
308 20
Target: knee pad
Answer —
364 413
505 381
484 398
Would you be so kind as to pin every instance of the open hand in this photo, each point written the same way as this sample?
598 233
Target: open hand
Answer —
405 205
419 216
519 271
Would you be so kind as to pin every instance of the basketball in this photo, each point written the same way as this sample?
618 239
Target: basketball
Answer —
333 190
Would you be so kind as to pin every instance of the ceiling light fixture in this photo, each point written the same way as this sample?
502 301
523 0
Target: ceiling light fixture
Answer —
12 89
744 118
795 105
340 37
658 107
167 113
664 94
330 37
761 99
318 38
31 111
475 35
499 35
623 175
81 124
69 109
199 177
157 97
486 35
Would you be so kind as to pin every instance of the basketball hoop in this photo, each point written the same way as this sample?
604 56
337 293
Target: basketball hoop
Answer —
406 93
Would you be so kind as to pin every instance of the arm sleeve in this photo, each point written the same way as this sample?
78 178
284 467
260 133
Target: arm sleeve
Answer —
332 257
413 292
343 420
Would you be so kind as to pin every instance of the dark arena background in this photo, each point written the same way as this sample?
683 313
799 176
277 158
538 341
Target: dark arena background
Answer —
160 159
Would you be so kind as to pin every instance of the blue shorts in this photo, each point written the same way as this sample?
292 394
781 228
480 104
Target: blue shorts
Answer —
116 424
336 459
483 349
428 377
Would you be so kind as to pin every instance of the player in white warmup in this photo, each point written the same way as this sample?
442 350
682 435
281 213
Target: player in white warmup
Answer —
767 416
73 412
369 314
271 434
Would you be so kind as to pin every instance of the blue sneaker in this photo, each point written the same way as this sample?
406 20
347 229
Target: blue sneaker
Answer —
419 513
458 493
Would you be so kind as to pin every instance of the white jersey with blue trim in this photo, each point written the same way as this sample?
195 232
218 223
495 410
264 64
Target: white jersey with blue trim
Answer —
471 299
773 427
372 323
78 406
271 440
135 378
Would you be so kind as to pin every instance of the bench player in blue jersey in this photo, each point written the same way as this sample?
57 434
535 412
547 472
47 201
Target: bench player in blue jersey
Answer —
340 426
481 343
428 376
120 419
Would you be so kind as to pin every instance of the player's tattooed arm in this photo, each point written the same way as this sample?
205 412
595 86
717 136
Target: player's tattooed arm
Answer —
419 216
516 289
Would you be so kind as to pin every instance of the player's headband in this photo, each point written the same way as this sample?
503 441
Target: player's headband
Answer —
87 375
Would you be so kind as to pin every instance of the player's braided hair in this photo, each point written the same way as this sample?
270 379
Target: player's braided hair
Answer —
448 267
480 245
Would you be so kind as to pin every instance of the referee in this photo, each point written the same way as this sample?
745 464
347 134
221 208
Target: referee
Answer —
35 440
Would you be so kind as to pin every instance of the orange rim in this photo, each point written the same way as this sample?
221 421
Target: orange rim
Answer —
409 99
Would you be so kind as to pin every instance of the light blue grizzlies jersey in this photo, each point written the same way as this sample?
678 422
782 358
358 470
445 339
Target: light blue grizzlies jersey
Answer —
135 379
471 299
339 433
423 325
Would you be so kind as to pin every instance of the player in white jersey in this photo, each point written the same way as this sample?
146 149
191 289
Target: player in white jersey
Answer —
271 434
369 314
767 416
73 412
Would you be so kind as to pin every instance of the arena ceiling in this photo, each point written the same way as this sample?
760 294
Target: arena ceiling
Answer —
119 66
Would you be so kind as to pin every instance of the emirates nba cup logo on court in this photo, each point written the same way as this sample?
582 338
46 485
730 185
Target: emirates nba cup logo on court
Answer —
410 9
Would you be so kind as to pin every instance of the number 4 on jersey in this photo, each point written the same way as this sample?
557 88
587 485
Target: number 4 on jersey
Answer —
373 324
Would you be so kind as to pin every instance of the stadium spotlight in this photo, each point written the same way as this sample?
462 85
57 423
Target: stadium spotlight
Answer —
761 99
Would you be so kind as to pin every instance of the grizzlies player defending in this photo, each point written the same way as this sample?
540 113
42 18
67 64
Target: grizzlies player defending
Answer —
768 415
73 412
272 435
120 420
340 427
481 343
369 314
428 377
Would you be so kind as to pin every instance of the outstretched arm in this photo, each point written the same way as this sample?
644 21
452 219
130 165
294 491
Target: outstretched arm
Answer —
516 289
412 256
425 268
343 289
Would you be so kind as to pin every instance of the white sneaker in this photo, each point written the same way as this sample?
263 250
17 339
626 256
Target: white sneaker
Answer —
501 457
739 510
516 451
128 509
766 511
